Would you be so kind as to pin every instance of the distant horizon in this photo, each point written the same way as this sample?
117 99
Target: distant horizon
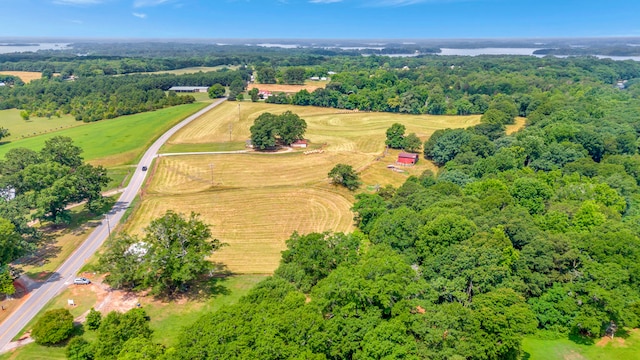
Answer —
321 19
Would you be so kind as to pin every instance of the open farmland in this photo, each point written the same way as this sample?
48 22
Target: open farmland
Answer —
256 200
310 86
341 130
255 222
192 70
26 76
115 141
19 128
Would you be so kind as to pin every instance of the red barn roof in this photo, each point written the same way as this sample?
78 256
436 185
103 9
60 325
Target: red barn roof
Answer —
408 156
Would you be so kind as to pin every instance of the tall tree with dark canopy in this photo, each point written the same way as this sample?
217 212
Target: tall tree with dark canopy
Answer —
395 136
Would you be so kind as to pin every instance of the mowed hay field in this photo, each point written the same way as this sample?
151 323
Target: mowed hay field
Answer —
255 201
26 76
342 131
310 86
255 222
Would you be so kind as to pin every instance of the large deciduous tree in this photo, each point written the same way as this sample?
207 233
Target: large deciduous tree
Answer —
170 257
216 91
344 175
61 149
269 130
395 136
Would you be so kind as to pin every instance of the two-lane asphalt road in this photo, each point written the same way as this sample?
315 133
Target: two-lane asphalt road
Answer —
65 274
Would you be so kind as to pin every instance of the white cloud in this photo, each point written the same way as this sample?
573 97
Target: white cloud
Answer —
147 3
324 1
139 15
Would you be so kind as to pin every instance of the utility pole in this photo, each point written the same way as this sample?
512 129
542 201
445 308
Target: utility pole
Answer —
108 224
211 167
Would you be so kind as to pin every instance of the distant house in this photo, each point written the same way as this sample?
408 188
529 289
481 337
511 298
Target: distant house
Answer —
263 94
407 158
2 84
189 89
302 144
323 78
315 78
331 72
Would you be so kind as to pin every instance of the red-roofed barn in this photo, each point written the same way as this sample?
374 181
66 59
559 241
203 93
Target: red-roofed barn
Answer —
407 158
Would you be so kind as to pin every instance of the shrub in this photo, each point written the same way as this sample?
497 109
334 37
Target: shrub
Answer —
53 327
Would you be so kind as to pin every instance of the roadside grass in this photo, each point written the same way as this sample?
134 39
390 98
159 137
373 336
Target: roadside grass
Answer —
116 141
167 318
120 176
626 347
83 298
26 76
19 129
34 351
60 242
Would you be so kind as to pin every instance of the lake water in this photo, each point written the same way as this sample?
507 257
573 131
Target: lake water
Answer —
6 48
488 51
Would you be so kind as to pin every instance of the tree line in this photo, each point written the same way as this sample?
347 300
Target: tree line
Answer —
104 97
39 186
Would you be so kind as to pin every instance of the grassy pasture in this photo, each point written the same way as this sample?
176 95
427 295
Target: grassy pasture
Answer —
19 129
341 130
620 348
116 141
26 76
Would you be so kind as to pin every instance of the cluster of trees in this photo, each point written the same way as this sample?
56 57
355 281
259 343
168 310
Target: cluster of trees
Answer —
396 139
269 130
104 97
121 336
40 185
170 258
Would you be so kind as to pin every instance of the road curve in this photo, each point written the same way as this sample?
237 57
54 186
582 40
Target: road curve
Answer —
65 274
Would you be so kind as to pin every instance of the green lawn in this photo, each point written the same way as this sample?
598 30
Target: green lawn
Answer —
167 320
626 347
19 129
116 141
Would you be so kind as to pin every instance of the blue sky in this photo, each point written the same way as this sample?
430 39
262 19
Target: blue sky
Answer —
342 19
